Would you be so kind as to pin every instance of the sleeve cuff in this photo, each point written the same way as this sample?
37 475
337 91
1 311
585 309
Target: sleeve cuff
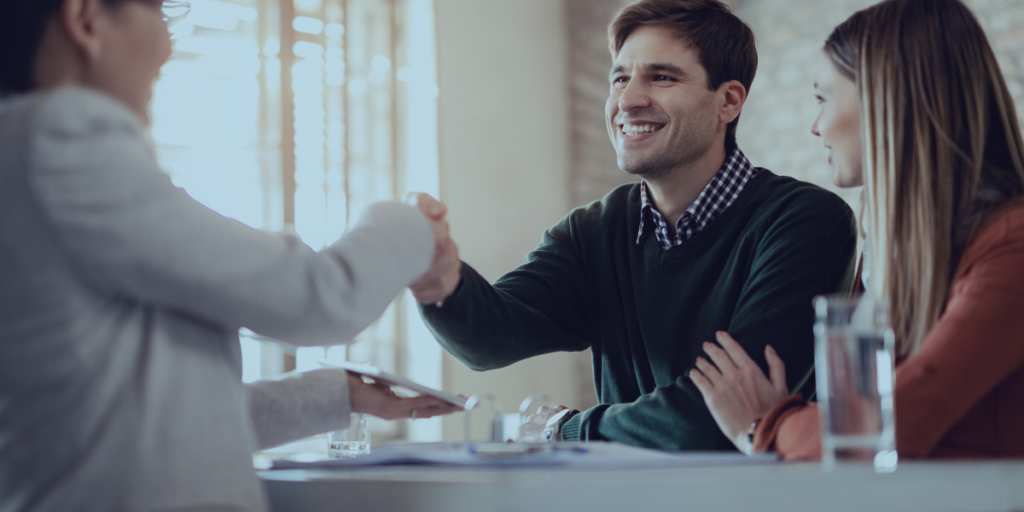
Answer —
466 272
768 429
299 405
571 428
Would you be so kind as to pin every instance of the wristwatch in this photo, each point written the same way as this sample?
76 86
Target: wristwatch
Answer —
750 436
554 424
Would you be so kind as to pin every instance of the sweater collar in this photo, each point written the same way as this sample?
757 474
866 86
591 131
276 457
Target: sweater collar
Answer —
718 194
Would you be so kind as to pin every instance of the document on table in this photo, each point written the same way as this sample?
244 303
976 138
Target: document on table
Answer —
592 455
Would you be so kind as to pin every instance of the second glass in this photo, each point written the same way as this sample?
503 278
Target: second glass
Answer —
854 362
351 442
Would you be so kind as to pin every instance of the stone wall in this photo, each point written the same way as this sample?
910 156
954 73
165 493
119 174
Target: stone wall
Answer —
774 130
594 170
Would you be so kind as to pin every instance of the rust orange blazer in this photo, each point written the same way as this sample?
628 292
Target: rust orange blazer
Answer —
962 394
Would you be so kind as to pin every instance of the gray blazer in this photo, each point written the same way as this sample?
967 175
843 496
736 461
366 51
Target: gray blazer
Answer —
120 303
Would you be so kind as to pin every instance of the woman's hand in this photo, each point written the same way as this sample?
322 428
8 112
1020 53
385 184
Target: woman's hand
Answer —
736 390
378 400
445 272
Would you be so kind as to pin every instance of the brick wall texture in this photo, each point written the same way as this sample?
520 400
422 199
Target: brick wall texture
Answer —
774 129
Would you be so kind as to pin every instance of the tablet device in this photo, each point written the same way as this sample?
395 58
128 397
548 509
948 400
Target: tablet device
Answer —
395 380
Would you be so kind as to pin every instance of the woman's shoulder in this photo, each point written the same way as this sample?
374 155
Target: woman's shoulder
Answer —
66 111
1005 222
1003 230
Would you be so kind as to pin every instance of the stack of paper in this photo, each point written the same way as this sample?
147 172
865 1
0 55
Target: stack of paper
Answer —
572 455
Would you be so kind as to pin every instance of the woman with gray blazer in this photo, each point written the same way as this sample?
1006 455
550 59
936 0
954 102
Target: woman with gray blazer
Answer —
121 297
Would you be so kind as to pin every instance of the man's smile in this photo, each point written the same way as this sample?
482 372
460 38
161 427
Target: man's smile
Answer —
639 130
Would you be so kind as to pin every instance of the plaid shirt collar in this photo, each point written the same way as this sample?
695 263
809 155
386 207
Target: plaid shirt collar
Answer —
719 194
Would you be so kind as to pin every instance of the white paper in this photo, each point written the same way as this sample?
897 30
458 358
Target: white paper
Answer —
592 455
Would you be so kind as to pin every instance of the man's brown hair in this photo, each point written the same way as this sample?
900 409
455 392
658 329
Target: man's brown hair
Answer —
724 44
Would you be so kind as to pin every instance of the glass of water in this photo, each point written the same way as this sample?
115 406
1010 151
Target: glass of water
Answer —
854 363
351 442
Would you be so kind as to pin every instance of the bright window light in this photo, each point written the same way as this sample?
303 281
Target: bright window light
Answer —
356 131
308 25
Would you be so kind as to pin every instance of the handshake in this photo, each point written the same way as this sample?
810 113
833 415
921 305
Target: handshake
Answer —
445 272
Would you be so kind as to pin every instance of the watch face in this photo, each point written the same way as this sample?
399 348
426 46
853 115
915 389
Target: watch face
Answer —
554 420
554 423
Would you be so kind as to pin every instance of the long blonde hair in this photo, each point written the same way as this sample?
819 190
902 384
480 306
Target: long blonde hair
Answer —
942 147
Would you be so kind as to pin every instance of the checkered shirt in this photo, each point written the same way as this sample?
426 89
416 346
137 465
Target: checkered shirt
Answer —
719 193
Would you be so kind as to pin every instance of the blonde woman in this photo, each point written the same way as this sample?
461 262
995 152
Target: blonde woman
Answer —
915 108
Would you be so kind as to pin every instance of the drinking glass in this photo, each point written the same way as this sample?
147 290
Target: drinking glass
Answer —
351 442
854 363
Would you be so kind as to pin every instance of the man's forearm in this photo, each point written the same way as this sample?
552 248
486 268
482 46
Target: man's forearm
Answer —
488 327
671 418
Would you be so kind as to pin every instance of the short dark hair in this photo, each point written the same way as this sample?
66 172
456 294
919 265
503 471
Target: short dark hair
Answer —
724 44
22 26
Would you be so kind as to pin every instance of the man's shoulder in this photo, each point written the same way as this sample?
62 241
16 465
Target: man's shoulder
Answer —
785 193
612 206
601 219
790 209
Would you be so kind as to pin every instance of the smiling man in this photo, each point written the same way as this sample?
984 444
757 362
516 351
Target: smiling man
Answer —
705 242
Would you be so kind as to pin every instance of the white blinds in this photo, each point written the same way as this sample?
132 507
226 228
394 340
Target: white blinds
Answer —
294 115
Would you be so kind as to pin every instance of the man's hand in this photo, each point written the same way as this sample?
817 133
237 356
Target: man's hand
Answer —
736 390
378 400
533 430
445 272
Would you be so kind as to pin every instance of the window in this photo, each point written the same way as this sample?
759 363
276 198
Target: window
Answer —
294 115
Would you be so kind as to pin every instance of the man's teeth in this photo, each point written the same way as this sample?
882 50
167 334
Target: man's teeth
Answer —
638 129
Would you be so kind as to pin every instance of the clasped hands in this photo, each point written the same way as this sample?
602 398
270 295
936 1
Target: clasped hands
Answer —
445 272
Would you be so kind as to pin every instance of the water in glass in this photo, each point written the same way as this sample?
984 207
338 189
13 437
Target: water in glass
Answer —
351 442
854 352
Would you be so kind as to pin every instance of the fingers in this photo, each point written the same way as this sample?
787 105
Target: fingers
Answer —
776 370
384 389
531 431
537 418
721 359
544 413
439 410
442 279
734 349
703 384
425 407
709 371
428 205
441 233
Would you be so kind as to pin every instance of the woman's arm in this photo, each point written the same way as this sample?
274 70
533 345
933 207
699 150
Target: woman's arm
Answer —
130 234
304 404
735 389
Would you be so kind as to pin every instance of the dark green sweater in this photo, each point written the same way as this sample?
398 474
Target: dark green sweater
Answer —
645 311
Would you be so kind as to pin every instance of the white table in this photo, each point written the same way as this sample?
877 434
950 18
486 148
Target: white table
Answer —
916 486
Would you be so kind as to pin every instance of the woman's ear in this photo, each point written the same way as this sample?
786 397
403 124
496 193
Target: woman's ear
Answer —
734 95
82 22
